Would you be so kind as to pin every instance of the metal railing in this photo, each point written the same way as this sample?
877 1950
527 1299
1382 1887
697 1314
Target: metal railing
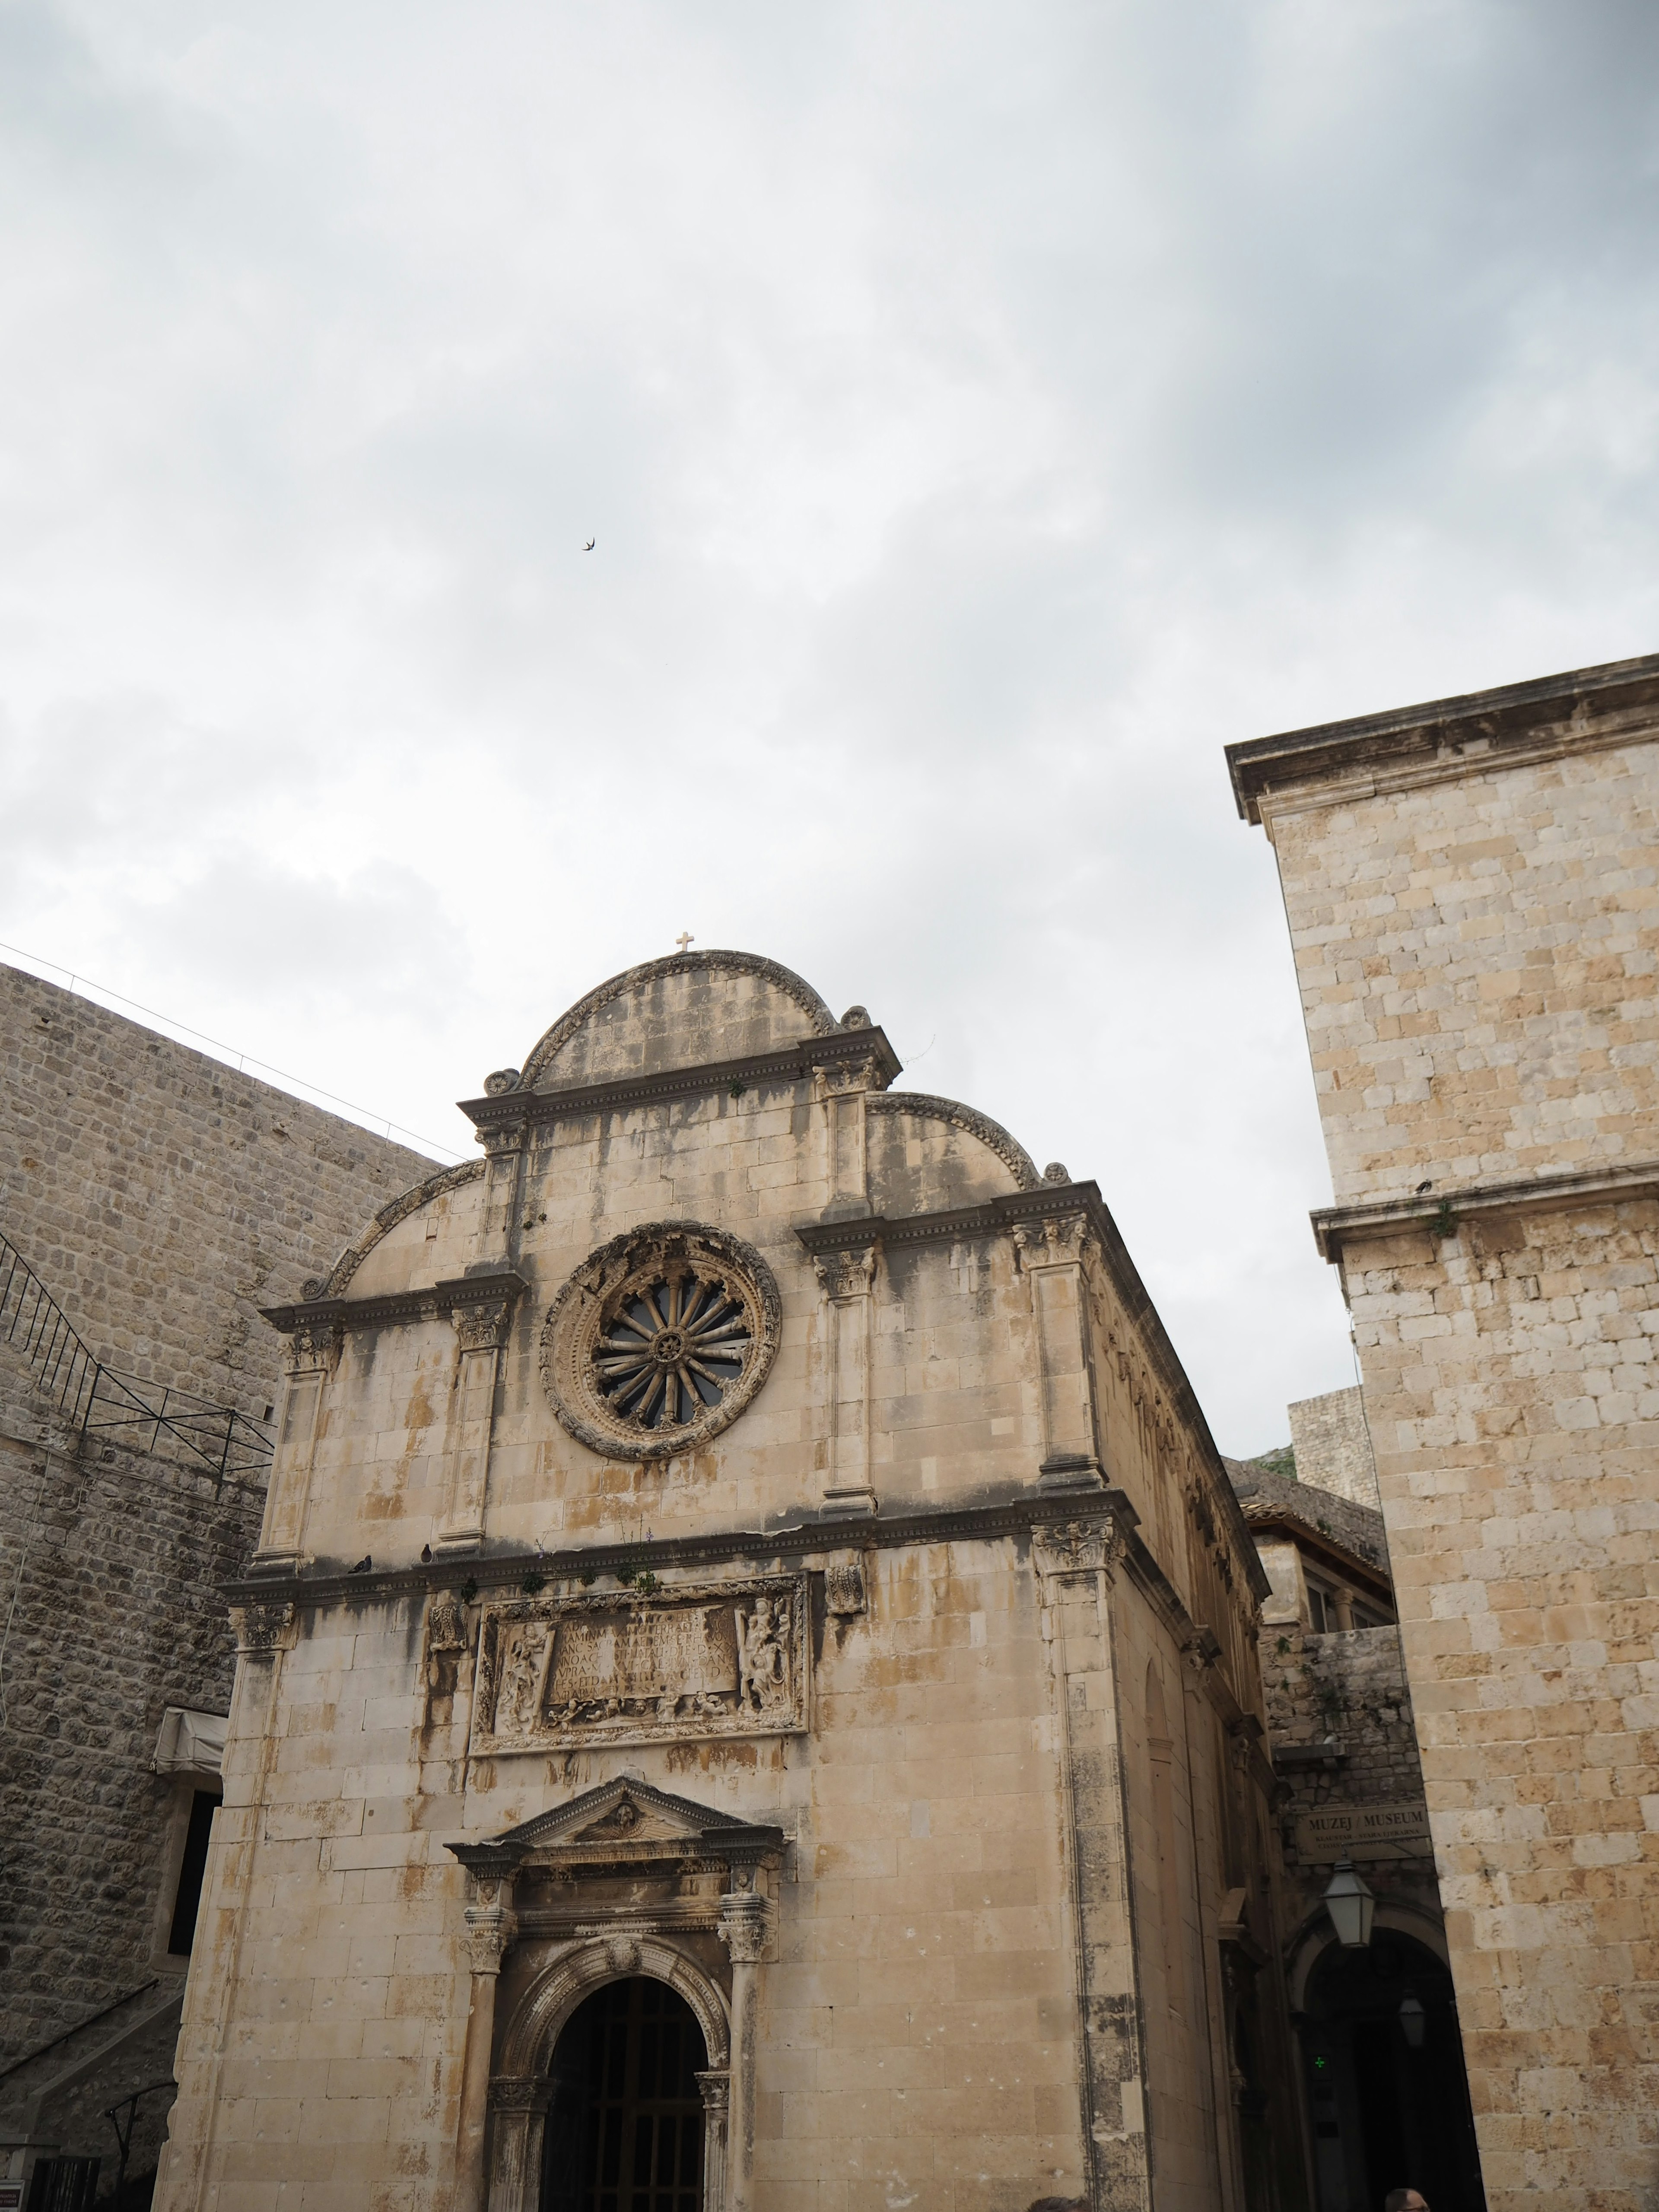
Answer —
100 1401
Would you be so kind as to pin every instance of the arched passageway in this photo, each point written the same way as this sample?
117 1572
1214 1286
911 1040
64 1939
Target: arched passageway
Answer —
624 2129
1388 2094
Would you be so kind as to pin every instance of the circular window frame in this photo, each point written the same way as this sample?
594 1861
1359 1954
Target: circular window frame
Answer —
587 1306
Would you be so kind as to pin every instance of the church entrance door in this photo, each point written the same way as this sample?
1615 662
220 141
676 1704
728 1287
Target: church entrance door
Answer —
625 2125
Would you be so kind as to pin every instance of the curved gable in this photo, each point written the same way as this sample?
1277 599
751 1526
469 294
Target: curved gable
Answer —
926 1154
683 1012
372 1267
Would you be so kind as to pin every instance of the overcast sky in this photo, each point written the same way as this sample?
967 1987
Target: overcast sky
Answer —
984 413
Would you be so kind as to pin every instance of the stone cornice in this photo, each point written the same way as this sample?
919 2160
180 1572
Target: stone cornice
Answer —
1014 1514
440 1299
1336 1226
1580 710
797 1063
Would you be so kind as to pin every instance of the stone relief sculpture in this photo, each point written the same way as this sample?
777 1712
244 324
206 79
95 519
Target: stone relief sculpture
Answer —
703 1660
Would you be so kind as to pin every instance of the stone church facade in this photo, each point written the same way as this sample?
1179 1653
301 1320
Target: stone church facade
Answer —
748 1693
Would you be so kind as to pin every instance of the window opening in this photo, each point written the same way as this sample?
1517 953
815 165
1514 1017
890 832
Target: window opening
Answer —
192 1866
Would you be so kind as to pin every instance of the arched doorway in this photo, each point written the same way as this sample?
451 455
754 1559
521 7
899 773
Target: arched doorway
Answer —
1386 2090
624 2130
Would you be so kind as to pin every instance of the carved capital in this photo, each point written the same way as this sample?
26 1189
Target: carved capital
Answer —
1057 1242
716 2089
844 1593
491 1929
483 1327
860 1071
263 1630
745 1926
1094 1546
849 1274
314 1347
511 2093
505 1137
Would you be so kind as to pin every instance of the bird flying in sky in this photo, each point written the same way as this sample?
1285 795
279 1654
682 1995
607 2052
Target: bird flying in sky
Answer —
591 544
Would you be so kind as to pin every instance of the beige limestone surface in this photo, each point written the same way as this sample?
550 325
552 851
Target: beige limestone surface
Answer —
1476 919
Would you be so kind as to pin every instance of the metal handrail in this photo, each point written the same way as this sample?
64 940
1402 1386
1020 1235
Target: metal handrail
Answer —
100 1401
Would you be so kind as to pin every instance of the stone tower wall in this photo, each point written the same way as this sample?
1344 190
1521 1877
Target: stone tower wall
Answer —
161 1197
1332 1446
1473 902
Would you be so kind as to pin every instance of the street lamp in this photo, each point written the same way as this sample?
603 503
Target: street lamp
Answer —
1350 1902
1412 2020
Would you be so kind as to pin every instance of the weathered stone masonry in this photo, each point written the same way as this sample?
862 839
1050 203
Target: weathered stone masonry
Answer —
160 1196
1472 893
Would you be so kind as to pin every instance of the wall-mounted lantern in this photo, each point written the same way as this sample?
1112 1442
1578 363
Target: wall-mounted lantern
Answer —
1351 1903
1413 2021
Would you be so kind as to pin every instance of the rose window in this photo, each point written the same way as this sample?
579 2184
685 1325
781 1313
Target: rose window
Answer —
660 1339
671 1350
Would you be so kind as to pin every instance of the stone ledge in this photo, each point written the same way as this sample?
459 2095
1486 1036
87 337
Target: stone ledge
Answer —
1337 1225
1580 710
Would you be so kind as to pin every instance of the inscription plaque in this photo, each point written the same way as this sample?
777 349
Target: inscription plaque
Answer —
708 1659
1363 1832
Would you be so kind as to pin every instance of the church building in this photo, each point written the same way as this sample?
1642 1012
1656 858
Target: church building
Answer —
747 1695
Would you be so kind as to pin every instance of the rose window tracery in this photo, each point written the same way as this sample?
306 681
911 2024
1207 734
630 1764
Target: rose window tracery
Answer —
660 1339
673 1348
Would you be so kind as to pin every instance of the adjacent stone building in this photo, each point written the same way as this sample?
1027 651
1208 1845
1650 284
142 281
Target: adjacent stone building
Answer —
1472 893
1387 2096
151 1199
748 1691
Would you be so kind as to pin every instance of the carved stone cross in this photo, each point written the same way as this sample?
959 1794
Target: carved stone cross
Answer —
684 939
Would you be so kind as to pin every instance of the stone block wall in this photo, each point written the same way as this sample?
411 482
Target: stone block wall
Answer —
1472 895
1332 1446
161 1197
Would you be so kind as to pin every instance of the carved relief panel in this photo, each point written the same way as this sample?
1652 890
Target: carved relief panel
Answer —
710 1659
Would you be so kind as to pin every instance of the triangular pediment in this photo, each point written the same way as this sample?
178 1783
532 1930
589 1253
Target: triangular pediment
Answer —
632 1817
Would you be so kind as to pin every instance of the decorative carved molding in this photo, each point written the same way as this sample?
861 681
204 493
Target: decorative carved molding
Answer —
1059 1242
1095 1546
318 1317
716 2089
263 1630
847 1274
314 1347
844 1592
862 1072
517 2092
590 1361
490 1930
548 1046
483 1327
503 1080
446 1642
705 1660
1013 1154
745 1927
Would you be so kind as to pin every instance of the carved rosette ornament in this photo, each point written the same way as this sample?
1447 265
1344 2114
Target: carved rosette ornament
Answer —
660 1339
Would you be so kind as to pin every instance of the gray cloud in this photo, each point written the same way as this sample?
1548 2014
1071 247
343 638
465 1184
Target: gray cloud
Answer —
983 418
